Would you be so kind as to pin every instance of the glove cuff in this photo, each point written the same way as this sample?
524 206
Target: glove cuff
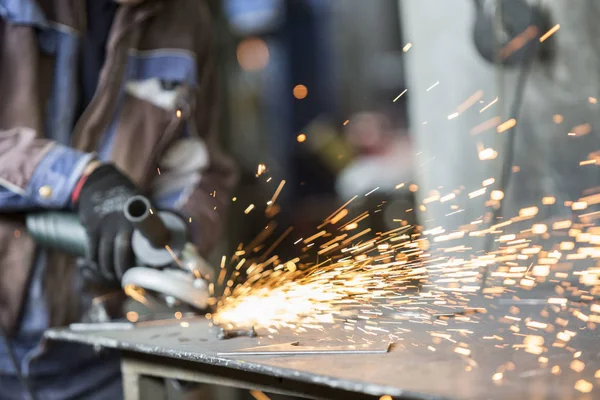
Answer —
77 189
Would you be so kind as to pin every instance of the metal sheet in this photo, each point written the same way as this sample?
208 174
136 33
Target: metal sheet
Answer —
408 369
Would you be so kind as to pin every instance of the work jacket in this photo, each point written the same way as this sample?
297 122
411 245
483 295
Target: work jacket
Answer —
154 115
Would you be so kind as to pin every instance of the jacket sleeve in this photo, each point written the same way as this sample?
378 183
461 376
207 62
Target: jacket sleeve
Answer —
204 176
35 172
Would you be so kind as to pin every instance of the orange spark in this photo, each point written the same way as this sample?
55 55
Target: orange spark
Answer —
488 182
397 97
488 154
550 32
506 125
484 126
473 99
583 386
300 92
549 200
489 105
497 195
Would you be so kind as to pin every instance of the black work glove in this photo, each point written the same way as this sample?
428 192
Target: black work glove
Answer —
100 208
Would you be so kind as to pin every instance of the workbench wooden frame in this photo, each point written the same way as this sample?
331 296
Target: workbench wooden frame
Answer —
136 367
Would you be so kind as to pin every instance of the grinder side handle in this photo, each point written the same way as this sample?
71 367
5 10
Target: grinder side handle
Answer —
147 222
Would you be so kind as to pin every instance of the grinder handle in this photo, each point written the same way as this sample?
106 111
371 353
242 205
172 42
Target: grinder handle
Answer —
58 230
146 221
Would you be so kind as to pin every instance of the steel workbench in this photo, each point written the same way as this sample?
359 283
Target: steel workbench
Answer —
417 365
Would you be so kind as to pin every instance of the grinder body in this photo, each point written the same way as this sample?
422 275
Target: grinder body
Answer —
166 262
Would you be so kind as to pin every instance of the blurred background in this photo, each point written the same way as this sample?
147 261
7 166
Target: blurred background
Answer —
308 98
406 102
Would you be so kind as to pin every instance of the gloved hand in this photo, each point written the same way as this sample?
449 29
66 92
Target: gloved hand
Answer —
100 206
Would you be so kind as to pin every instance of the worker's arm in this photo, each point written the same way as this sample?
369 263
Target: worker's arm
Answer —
196 177
36 172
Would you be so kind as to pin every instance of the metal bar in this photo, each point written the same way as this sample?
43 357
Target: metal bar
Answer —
290 349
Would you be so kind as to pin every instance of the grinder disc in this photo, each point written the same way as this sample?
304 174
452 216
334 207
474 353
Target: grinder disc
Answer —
149 255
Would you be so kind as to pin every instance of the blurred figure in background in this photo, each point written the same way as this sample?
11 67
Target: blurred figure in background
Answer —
380 171
383 156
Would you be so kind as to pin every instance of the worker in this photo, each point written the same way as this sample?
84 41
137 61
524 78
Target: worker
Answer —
383 157
380 172
101 100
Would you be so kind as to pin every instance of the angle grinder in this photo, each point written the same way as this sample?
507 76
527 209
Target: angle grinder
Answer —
167 264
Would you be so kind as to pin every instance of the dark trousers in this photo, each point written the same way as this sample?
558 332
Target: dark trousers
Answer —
95 381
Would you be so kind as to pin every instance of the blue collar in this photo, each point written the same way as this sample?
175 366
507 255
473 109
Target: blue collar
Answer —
23 12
